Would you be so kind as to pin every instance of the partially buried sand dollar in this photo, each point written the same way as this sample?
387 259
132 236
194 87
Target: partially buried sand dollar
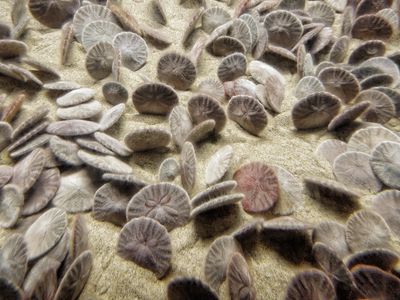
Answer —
147 138
259 183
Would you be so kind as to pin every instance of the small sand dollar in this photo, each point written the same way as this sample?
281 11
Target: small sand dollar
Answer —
111 116
114 92
368 27
214 17
241 30
215 203
113 144
53 13
248 112
348 115
147 138
332 193
45 232
367 50
259 183
105 163
42 192
375 283
163 202
366 139
133 49
387 204
202 108
226 45
217 260
339 49
66 151
154 98
201 131
169 170
333 235
381 108
213 192
28 170
6 172
308 85
146 242
76 97
340 82
330 149
385 162
232 67
322 13
365 230
353 168
75 193
75 277
315 110
290 193
239 279
89 13
14 259
213 88
183 288
72 127
180 124
188 163
176 70
310 284
99 60
284 28
11 202
218 165
99 31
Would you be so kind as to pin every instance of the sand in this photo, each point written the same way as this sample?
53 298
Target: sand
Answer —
279 144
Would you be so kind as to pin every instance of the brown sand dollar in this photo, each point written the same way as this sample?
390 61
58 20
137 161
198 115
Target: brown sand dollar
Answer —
183 288
348 115
365 230
382 258
232 67
146 242
53 14
72 127
241 30
214 17
166 203
385 163
12 48
103 163
6 172
367 50
147 138
217 260
11 202
315 110
180 124
248 113
239 279
259 183
99 60
99 31
386 204
322 13
333 235
75 97
154 98
369 27
381 107
14 259
115 92
226 45
202 108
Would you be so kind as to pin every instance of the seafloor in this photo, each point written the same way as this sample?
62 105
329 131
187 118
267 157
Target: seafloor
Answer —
279 144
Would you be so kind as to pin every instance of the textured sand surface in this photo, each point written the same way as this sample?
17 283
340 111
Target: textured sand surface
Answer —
279 144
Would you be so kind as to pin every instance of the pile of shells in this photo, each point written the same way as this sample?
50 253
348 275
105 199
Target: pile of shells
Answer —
72 165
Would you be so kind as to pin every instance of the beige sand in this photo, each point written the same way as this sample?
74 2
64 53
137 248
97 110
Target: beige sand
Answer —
280 144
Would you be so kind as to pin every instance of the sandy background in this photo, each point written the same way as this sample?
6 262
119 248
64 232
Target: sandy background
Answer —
280 144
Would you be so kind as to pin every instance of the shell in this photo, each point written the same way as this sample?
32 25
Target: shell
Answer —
260 185
381 107
315 111
213 88
367 50
14 259
339 50
53 14
159 11
376 80
28 136
239 279
218 165
133 49
384 64
91 144
146 242
67 37
168 170
371 7
176 70
45 232
340 82
214 17
308 85
353 169
240 86
75 193
386 204
12 48
180 124
201 131
113 144
114 92
253 26
332 193
99 60
104 163
365 230
284 28
214 191
11 202
366 139
333 235
191 27
99 31
202 108
72 127
385 163
248 113
241 31
217 260
6 133
61 85
330 149
188 164
164 202
368 27
76 97
154 98
82 111
182 288
347 116
322 13
147 138
232 67
225 45
394 95
382 258
33 144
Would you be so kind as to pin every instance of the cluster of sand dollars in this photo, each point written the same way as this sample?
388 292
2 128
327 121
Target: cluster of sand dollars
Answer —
260 39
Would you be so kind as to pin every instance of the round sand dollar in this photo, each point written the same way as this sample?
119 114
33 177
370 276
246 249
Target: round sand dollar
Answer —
333 235
133 49
387 204
232 67
385 163
45 232
259 183
146 242
330 149
164 202
239 279
14 259
366 139
99 60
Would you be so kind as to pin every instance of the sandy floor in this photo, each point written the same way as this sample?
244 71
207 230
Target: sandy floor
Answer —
280 144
